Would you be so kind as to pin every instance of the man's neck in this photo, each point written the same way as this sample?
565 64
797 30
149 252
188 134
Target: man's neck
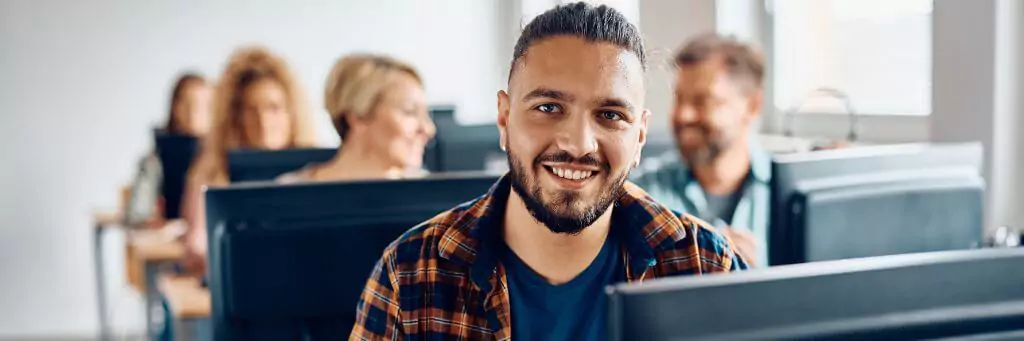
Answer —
556 257
726 173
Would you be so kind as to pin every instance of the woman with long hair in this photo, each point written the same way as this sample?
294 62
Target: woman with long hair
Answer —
189 110
188 114
257 104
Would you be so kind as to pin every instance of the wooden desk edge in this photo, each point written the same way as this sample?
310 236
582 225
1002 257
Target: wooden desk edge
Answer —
158 251
185 296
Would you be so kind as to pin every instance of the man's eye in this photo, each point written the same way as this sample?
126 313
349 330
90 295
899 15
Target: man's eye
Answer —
548 108
612 115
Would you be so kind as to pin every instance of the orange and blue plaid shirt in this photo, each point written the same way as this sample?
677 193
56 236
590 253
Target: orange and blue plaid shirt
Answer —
442 279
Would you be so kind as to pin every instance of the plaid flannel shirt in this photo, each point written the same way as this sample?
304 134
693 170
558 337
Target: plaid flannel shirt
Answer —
442 280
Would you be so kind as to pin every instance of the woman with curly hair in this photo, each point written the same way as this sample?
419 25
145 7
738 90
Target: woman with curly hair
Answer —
256 105
379 109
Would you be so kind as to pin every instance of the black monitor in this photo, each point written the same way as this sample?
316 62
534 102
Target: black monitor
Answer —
264 165
466 148
441 115
176 153
903 297
289 262
874 201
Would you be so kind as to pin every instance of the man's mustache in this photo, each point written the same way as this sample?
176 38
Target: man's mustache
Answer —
693 127
565 157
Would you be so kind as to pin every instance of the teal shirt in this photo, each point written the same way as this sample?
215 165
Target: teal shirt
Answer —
670 182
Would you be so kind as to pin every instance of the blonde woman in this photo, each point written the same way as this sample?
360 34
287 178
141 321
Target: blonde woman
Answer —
257 105
379 109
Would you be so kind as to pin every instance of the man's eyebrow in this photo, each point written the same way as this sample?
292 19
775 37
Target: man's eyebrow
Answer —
548 93
617 102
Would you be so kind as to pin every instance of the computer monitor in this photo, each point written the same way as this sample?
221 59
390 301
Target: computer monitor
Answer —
264 165
289 262
466 148
176 153
902 297
874 201
442 115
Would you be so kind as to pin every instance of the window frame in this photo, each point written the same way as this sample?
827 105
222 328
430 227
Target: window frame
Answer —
871 127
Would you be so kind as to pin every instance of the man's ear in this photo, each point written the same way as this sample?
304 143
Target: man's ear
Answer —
503 112
754 104
644 119
352 120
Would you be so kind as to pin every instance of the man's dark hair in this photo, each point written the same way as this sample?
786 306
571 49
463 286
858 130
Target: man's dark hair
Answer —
743 62
600 24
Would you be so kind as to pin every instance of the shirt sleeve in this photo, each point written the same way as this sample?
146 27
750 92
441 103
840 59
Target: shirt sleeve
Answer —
717 253
738 264
729 259
378 312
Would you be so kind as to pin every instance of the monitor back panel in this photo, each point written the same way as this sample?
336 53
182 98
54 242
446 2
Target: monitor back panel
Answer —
290 261
917 296
796 177
891 218
264 165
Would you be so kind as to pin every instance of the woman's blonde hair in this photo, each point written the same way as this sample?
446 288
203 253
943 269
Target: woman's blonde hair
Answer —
355 85
247 66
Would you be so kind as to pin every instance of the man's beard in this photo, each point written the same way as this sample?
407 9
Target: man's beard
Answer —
713 147
561 214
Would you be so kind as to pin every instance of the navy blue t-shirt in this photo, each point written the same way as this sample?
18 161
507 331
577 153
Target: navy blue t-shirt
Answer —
570 311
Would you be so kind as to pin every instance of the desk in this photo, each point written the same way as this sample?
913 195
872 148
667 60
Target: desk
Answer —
189 305
102 221
149 255
146 247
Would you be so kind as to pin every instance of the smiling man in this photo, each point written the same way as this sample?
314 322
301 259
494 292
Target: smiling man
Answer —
532 257
718 173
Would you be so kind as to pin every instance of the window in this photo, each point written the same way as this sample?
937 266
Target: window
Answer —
877 52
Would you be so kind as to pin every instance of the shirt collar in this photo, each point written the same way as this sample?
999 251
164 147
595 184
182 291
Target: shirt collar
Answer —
760 165
644 226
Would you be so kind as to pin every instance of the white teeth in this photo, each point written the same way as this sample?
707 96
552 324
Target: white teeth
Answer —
571 174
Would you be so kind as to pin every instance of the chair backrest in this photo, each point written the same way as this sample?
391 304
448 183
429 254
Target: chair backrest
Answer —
176 153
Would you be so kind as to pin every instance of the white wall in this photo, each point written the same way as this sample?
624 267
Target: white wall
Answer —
81 83
964 72
977 83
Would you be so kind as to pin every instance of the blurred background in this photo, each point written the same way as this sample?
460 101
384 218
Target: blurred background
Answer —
82 83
